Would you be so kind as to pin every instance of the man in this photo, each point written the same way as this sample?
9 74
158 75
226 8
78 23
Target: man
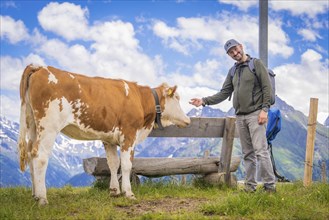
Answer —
251 101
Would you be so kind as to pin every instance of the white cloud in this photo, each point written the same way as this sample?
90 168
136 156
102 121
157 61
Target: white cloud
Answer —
203 74
207 74
71 58
297 83
162 30
66 20
308 35
112 35
187 93
190 34
171 37
13 31
243 5
278 43
297 7
12 70
197 28
10 108
114 52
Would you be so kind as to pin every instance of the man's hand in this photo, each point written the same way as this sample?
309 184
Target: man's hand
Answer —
196 102
262 117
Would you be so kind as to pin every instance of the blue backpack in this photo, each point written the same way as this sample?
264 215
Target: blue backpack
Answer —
273 128
251 66
273 124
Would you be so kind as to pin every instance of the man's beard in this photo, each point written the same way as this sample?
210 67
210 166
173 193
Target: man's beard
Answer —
239 56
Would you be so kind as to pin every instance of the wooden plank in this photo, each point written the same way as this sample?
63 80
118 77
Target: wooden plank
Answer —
227 147
156 167
199 127
311 131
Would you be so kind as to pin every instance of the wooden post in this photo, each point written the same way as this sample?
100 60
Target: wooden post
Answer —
183 181
311 129
227 147
323 172
206 154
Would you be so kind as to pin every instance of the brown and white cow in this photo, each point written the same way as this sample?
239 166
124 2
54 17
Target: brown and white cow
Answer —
118 112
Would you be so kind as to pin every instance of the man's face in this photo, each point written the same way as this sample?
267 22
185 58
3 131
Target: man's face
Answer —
236 52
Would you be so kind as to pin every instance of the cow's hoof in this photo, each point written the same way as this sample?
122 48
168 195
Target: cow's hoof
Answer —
130 196
115 192
41 201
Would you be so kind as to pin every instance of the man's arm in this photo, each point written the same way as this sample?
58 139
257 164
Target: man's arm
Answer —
223 94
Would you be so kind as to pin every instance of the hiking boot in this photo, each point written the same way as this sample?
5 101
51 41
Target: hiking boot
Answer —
271 189
249 189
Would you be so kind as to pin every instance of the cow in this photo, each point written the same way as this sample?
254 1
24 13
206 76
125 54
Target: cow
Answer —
115 111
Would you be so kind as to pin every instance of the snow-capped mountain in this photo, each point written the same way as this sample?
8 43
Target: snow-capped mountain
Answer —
326 122
65 162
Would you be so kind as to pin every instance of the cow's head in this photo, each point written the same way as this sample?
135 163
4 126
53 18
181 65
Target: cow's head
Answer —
172 111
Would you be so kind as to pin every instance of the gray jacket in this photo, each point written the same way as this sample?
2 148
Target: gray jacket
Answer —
249 95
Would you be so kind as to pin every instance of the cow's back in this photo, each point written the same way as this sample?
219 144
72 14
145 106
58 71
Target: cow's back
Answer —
85 105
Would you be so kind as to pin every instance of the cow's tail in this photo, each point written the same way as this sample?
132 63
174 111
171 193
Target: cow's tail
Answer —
27 125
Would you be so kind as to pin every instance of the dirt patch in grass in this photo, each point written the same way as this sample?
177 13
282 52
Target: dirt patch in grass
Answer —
164 205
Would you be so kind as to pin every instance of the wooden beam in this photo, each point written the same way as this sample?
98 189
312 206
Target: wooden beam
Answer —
156 167
199 128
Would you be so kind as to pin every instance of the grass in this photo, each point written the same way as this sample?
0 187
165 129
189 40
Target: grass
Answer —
170 201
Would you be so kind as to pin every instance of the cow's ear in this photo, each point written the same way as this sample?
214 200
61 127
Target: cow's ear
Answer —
171 91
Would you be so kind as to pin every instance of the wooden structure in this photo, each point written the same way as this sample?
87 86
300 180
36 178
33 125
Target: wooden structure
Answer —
199 127
311 131
163 166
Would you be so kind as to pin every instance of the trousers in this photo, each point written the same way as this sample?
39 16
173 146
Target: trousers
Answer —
255 150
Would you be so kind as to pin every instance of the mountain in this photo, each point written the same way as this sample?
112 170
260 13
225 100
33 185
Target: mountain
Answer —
65 165
289 147
326 122
65 162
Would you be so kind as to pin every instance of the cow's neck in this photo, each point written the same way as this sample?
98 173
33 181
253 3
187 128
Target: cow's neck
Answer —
148 104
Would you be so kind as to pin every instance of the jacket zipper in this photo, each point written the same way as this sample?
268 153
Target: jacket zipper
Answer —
237 94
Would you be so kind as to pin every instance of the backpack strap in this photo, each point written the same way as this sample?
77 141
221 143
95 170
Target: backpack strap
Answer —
251 65
231 72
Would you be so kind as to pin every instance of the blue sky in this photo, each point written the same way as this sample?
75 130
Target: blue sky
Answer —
178 42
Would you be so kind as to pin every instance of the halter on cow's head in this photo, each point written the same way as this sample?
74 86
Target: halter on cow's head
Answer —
170 110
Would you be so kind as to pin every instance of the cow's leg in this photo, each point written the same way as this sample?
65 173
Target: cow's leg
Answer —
30 145
31 139
41 151
126 165
113 163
